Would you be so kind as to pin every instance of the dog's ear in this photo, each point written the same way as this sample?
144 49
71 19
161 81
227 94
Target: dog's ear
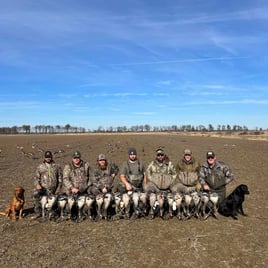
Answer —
238 190
20 189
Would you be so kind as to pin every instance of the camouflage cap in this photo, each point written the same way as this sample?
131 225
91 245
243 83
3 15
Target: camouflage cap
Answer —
187 152
76 154
159 151
210 154
101 157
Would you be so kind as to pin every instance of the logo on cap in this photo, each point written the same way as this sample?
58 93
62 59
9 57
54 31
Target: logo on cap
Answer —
48 154
210 154
76 154
132 151
101 157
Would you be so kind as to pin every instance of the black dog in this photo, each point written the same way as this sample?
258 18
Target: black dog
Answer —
232 204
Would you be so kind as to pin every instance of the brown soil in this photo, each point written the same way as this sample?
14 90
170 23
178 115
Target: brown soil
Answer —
141 243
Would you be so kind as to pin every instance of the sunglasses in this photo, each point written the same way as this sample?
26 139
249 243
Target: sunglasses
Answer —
210 157
160 154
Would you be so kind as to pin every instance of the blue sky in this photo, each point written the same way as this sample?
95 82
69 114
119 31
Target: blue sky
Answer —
125 63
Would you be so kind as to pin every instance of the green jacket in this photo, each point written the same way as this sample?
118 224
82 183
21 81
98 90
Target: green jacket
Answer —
188 172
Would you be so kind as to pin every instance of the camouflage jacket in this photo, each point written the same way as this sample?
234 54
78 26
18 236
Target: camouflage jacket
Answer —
78 177
217 176
188 172
103 177
48 176
163 175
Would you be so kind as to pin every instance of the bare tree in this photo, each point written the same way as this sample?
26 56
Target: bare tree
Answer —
67 127
210 127
26 128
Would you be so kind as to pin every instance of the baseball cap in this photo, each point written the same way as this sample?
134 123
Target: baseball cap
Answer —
132 151
101 157
210 154
187 152
76 154
48 154
159 151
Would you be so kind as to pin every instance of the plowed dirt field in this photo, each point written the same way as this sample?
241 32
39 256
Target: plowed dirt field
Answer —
221 242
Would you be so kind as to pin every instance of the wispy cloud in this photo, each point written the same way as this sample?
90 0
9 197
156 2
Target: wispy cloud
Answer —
182 61
115 95
144 113
227 102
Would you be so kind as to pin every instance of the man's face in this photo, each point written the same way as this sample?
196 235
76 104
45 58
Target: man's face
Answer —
76 160
102 163
48 159
187 157
160 157
132 157
211 160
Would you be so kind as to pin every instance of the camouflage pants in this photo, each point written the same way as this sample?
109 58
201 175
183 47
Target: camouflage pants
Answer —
36 201
37 194
121 188
181 188
93 190
151 187
221 192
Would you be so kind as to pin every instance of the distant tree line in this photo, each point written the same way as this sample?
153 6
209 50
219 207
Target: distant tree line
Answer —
48 129
41 129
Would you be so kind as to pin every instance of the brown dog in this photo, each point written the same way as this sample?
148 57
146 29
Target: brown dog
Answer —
16 205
